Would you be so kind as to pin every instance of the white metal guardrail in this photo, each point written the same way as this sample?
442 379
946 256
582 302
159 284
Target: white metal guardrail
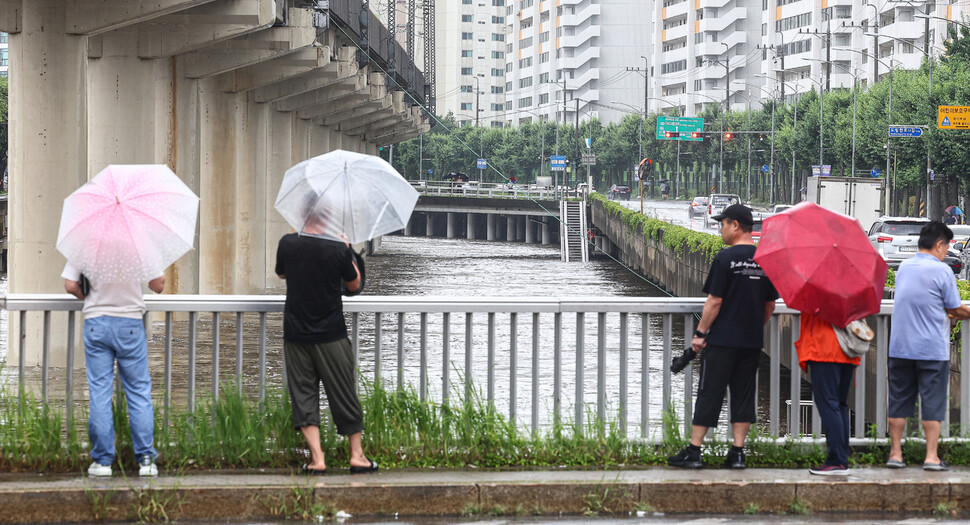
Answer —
492 190
604 359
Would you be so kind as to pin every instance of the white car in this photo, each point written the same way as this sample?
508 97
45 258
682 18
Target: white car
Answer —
716 204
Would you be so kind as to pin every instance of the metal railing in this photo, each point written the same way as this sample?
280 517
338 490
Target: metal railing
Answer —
493 190
604 359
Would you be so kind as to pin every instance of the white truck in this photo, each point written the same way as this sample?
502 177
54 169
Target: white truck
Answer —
859 197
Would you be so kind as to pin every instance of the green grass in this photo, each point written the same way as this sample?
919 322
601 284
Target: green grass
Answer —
400 431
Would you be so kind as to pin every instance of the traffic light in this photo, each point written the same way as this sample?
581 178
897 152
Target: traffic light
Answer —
728 135
671 134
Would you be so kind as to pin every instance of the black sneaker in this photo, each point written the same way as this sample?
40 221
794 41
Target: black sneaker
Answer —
685 459
734 459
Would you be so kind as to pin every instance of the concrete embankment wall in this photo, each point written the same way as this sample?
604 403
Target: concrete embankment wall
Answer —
681 271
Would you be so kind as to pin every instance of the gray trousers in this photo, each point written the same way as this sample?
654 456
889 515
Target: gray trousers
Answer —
307 364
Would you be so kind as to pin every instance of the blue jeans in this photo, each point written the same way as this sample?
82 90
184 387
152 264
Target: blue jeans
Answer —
830 388
107 339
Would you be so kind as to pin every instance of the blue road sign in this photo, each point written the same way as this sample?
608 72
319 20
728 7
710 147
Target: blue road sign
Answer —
875 172
557 162
764 168
430 171
482 164
905 131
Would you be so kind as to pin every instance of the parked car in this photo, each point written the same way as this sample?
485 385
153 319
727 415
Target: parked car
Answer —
778 208
698 207
756 231
618 191
716 204
896 238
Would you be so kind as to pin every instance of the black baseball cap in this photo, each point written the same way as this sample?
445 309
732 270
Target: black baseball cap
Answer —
736 212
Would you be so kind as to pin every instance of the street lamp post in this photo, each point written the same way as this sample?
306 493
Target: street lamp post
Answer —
677 111
794 128
889 118
771 157
720 158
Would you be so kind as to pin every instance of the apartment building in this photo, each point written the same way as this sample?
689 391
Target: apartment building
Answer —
745 52
573 60
470 53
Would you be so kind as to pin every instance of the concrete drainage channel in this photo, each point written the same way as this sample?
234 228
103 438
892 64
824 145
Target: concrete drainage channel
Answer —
474 494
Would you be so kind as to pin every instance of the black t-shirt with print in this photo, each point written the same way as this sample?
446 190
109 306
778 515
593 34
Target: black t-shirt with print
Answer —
314 269
744 289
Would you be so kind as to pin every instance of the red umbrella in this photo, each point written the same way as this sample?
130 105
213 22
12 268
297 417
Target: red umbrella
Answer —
821 262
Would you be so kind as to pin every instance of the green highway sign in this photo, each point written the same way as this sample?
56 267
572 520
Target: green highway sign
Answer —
680 128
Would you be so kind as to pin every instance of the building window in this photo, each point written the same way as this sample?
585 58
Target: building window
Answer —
466 53
498 107
498 37
525 102
498 19
525 42
466 71
466 89
508 67
466 106
544 78
673 67
698 61
544 37
466 18
793 22
543 58
497 90
466 2
464 123
764 29
498 3
508 86
4 38
498 54
466 36
526 3
498 72
525 62
525 82
497 124
544 98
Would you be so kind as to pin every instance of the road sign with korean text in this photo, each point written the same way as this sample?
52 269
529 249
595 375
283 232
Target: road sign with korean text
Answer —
557 163
482 164
680 127
905 131
953 117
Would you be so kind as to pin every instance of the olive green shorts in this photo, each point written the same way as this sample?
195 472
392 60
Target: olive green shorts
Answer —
307 364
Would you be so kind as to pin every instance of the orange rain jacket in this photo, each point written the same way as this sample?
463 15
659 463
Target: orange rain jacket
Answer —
817 342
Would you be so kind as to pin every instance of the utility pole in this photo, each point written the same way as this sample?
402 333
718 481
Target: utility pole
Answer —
930 211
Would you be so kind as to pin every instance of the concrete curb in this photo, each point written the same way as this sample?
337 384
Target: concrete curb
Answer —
452 493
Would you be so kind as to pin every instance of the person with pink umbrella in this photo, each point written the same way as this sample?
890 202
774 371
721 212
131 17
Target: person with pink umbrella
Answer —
121 230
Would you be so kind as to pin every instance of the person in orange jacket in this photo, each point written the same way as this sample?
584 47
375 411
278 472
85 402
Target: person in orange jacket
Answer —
832 372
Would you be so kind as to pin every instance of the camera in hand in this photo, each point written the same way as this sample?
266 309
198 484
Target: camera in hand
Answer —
680 362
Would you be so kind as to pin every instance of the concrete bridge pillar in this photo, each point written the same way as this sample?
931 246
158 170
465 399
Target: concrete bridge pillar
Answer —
546 231
521 224
429 219
47 155
490 227
509 228
452 225
470 227
530 231
407 227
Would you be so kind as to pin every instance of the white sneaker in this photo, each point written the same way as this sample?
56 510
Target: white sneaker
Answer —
98 470
147 467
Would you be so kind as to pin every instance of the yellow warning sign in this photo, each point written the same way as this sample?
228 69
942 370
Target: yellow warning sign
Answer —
953 117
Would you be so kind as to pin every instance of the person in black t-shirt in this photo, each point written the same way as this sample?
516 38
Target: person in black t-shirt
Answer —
729 338
315 343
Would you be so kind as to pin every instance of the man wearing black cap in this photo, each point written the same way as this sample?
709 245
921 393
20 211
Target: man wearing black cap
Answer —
729 338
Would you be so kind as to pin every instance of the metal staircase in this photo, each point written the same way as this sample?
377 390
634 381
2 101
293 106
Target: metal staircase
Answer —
572 231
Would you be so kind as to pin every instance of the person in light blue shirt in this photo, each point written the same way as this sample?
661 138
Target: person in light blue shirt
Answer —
919 346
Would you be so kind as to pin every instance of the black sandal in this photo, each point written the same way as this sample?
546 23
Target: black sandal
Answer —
313 471
364 470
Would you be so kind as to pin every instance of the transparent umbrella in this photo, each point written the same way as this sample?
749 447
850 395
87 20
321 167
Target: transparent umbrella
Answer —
128 223
343 193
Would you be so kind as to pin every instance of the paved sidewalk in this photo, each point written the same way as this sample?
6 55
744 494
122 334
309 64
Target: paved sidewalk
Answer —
252 494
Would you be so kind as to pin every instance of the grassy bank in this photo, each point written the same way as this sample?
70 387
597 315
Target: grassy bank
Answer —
400 431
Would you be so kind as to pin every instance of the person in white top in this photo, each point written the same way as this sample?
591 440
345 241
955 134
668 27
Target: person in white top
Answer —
113 331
